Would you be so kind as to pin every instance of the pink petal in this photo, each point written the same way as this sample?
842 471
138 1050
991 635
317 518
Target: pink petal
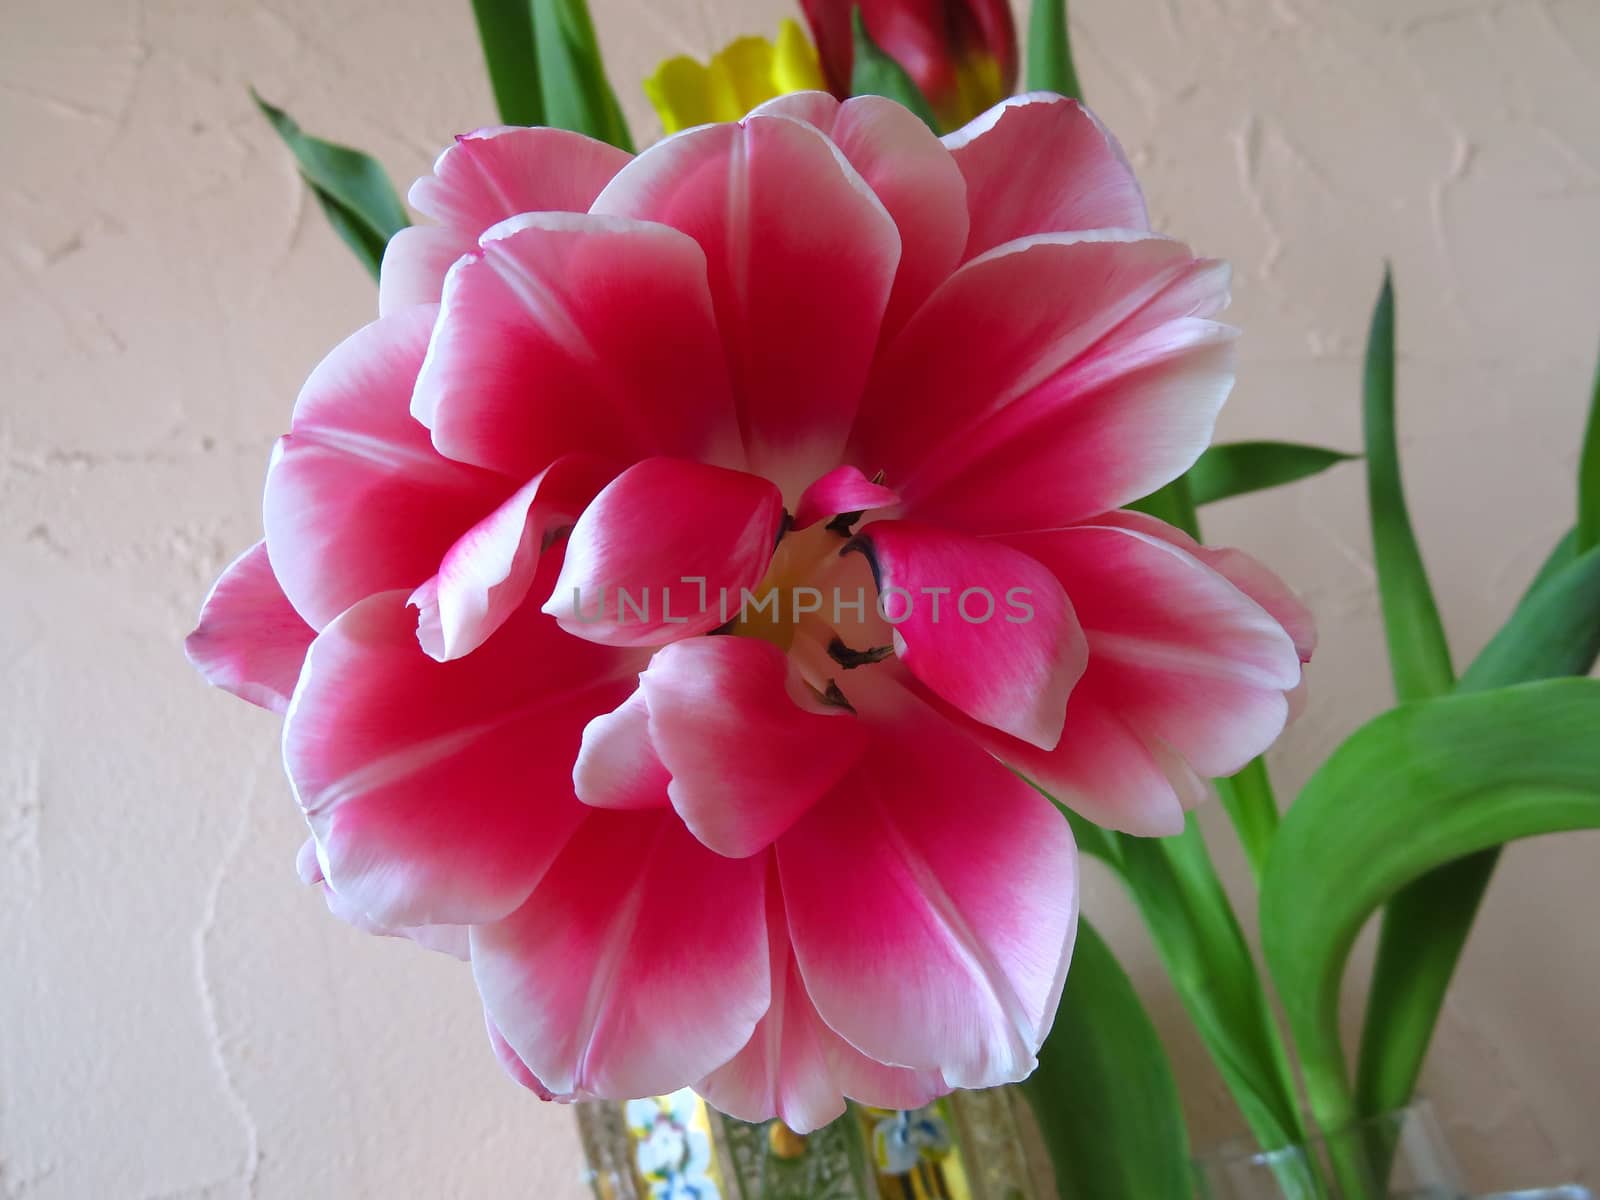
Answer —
357 499
487 573
932 899
1115 426
638 965
439 792
794 1067
801 255
1007 325
512 1063
1041 163
414 265
650 559
1247 574
574 333
1180 654
982 625
250 641
618 766
496 173
841 490
1102 769
912 173
747 743
445 939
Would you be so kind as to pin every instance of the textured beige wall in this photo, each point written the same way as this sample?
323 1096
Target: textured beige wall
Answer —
179 1018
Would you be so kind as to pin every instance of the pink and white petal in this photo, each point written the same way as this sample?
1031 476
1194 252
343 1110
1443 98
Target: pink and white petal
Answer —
801 256
486 575
672 534
911 172
439 792
1102 769
357 499
618 766
747 743
1008 658
415 263
1244 571
1181 655
445 939
637 966
1006 324
577 333
794 1067
1040 163
932 900
250 641
1113 427
841 490
512 1063
495 173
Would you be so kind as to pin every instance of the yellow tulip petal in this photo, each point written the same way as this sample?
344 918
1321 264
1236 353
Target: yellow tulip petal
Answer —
741 77
795 66
681 92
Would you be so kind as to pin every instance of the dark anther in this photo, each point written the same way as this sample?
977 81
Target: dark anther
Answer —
835 697
850 659
841 524
783 527
553 535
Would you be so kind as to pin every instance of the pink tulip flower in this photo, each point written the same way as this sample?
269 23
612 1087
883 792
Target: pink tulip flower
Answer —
674 596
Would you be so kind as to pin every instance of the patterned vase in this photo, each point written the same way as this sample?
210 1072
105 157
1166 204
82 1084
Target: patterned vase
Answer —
965 1147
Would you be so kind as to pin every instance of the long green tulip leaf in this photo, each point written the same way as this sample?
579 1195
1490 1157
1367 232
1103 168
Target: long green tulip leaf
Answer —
1103 1093
1419 656
352 188
1050 67
1417 788
874 73
1554 632
505 30
572 77
1205 954
1237 468
1589 473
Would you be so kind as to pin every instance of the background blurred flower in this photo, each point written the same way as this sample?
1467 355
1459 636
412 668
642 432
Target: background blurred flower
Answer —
745 73
962 54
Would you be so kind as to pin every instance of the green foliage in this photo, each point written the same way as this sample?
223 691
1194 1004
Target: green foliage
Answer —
353 190
572 76
1237 468
505 29
1419 656
1049 63
1104 1095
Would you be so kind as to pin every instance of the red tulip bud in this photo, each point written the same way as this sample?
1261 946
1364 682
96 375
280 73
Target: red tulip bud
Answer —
961 53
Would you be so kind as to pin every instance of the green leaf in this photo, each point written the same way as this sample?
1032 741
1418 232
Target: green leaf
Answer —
1203 949
1555 631
572 76
1253 809
876 74
1416 788
1050 66
1104 1094
1419 656
1172 504
1589 473
1235 468
505 30
1560 556
354 191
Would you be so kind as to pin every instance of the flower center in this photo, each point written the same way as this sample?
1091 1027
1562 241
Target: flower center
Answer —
818 605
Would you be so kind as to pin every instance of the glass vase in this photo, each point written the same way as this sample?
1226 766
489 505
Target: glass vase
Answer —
1401 1155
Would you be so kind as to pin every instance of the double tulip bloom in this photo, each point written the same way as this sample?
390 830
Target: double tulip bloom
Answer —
793 854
